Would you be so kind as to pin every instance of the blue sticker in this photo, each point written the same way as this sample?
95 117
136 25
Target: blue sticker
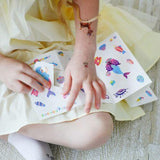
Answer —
102 47
140 78
40 104
149 93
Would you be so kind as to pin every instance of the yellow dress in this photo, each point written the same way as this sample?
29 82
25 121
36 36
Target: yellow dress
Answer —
32 27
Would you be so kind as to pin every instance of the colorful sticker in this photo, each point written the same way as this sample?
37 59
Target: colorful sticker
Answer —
102 47
149 93
140 98
112 82
120 93
111 40
140 78
41 59
53 112
40 104
114 37
130 61
43 72
82 90
60 79
113 65
120 49
50 93
34 92
61 53
98 60
54 64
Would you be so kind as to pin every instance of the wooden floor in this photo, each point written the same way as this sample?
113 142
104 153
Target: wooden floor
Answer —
137 140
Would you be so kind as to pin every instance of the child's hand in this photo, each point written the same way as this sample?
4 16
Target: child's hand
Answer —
19 76
81 73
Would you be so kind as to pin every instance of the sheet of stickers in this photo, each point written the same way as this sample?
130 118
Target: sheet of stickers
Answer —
116 67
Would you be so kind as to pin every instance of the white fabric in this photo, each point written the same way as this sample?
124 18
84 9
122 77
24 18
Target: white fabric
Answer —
29 148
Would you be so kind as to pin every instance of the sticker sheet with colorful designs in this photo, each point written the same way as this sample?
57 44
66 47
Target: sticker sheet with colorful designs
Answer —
118 68
115 65
141 97
51 102
57 58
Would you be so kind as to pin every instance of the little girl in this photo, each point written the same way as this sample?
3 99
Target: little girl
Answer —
34 27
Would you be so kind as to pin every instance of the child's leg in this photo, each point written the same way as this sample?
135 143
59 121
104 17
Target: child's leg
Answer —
5 137
87 132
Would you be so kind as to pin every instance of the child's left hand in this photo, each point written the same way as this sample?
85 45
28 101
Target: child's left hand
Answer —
81 73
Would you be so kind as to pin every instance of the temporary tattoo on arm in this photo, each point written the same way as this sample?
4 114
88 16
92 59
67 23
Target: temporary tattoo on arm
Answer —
87 25
85 64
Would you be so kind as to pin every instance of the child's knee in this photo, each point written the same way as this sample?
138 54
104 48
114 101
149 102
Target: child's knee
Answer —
97 132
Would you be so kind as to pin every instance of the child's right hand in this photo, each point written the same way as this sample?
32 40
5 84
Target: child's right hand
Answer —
19 76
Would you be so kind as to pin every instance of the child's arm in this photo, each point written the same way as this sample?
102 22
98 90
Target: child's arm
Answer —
20 77
81 72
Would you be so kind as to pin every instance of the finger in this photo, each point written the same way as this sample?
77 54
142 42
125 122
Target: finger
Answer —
103 88
67 84
89 96
73 94
29 71
97 90
30 82
19 87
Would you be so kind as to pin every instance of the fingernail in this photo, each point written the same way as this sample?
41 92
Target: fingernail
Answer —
87 110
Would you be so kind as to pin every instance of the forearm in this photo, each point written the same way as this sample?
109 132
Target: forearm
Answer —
86 32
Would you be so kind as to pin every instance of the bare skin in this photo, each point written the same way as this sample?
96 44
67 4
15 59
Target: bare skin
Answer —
74 134
21 78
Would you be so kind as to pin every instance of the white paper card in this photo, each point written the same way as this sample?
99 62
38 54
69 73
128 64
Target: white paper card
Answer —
141 97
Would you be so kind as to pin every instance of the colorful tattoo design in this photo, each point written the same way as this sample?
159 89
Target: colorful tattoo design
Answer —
55 64
38 60
148 93
82 90
50 93
85 64
120 49
44 73
113 65
102 47
83 23
112 82
34 92
140 79
130 61
87 25
60 79
40 104
120 93
61 53
97 60
140 98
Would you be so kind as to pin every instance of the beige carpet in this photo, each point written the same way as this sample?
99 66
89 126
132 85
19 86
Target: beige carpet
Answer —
137 140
